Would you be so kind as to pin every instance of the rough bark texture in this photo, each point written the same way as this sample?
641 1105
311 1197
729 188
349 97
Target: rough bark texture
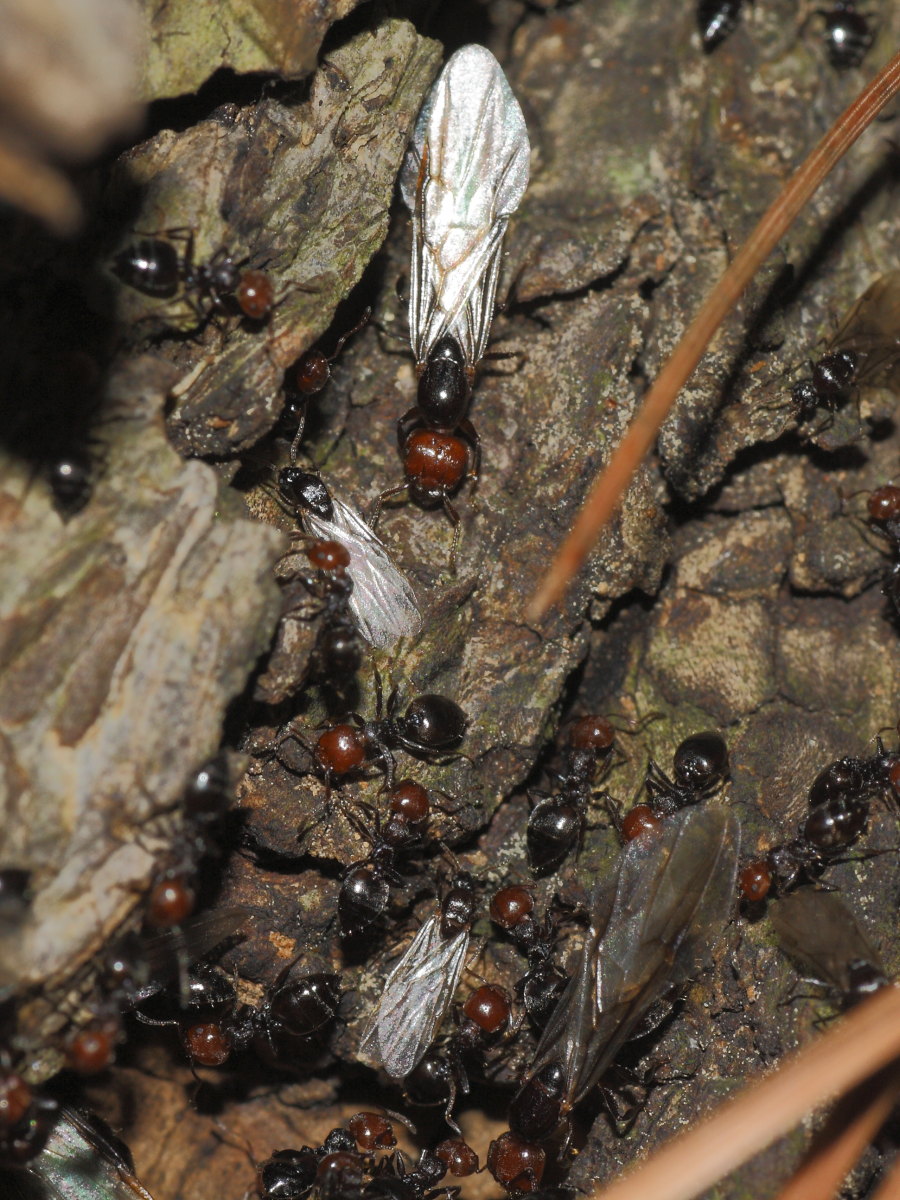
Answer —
737 589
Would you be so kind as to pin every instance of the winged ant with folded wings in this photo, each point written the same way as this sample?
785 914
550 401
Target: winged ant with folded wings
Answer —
419 990
464 175
381 601
674 895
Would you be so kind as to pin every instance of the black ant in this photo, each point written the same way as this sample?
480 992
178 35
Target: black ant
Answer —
838 814
152 265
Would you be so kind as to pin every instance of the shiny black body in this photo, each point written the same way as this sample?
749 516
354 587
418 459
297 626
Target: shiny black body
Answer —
699 767
556 823
69 477
716 19
288 1174
305 490
366 889
848 34
209 793
151 265
444 392
829 386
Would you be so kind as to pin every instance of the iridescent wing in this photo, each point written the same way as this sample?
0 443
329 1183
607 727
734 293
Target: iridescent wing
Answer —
82 1160
416 996
382 601
464 175
674 895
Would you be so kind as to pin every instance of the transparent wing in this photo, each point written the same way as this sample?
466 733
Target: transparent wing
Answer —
416 996
872 329
382 601
82 1160
464 175
819 932
674 895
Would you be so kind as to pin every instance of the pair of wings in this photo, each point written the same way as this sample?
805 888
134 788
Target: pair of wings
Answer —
416 996
465 173
674 895
82 1160
382 602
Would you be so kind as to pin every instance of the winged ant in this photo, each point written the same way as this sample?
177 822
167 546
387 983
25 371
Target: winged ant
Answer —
464 175
673 897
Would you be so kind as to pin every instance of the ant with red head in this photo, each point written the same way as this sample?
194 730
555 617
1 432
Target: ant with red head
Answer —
436 459
308 377
556 823
26 1116
465 173
884 516
154 266
516 1163
213 1024
699 766
539 989
839 811
429 729
337 654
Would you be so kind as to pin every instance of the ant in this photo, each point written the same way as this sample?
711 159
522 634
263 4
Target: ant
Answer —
700 767
152 265
543 983
884 515
839 812
309 376
436 460
429 728
336 655
26 1117
516 1163
392 1180
556 823
296 1009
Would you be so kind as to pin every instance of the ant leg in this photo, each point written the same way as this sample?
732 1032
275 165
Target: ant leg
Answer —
301 425
375 514
453 517
379 696
469 432
363 321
